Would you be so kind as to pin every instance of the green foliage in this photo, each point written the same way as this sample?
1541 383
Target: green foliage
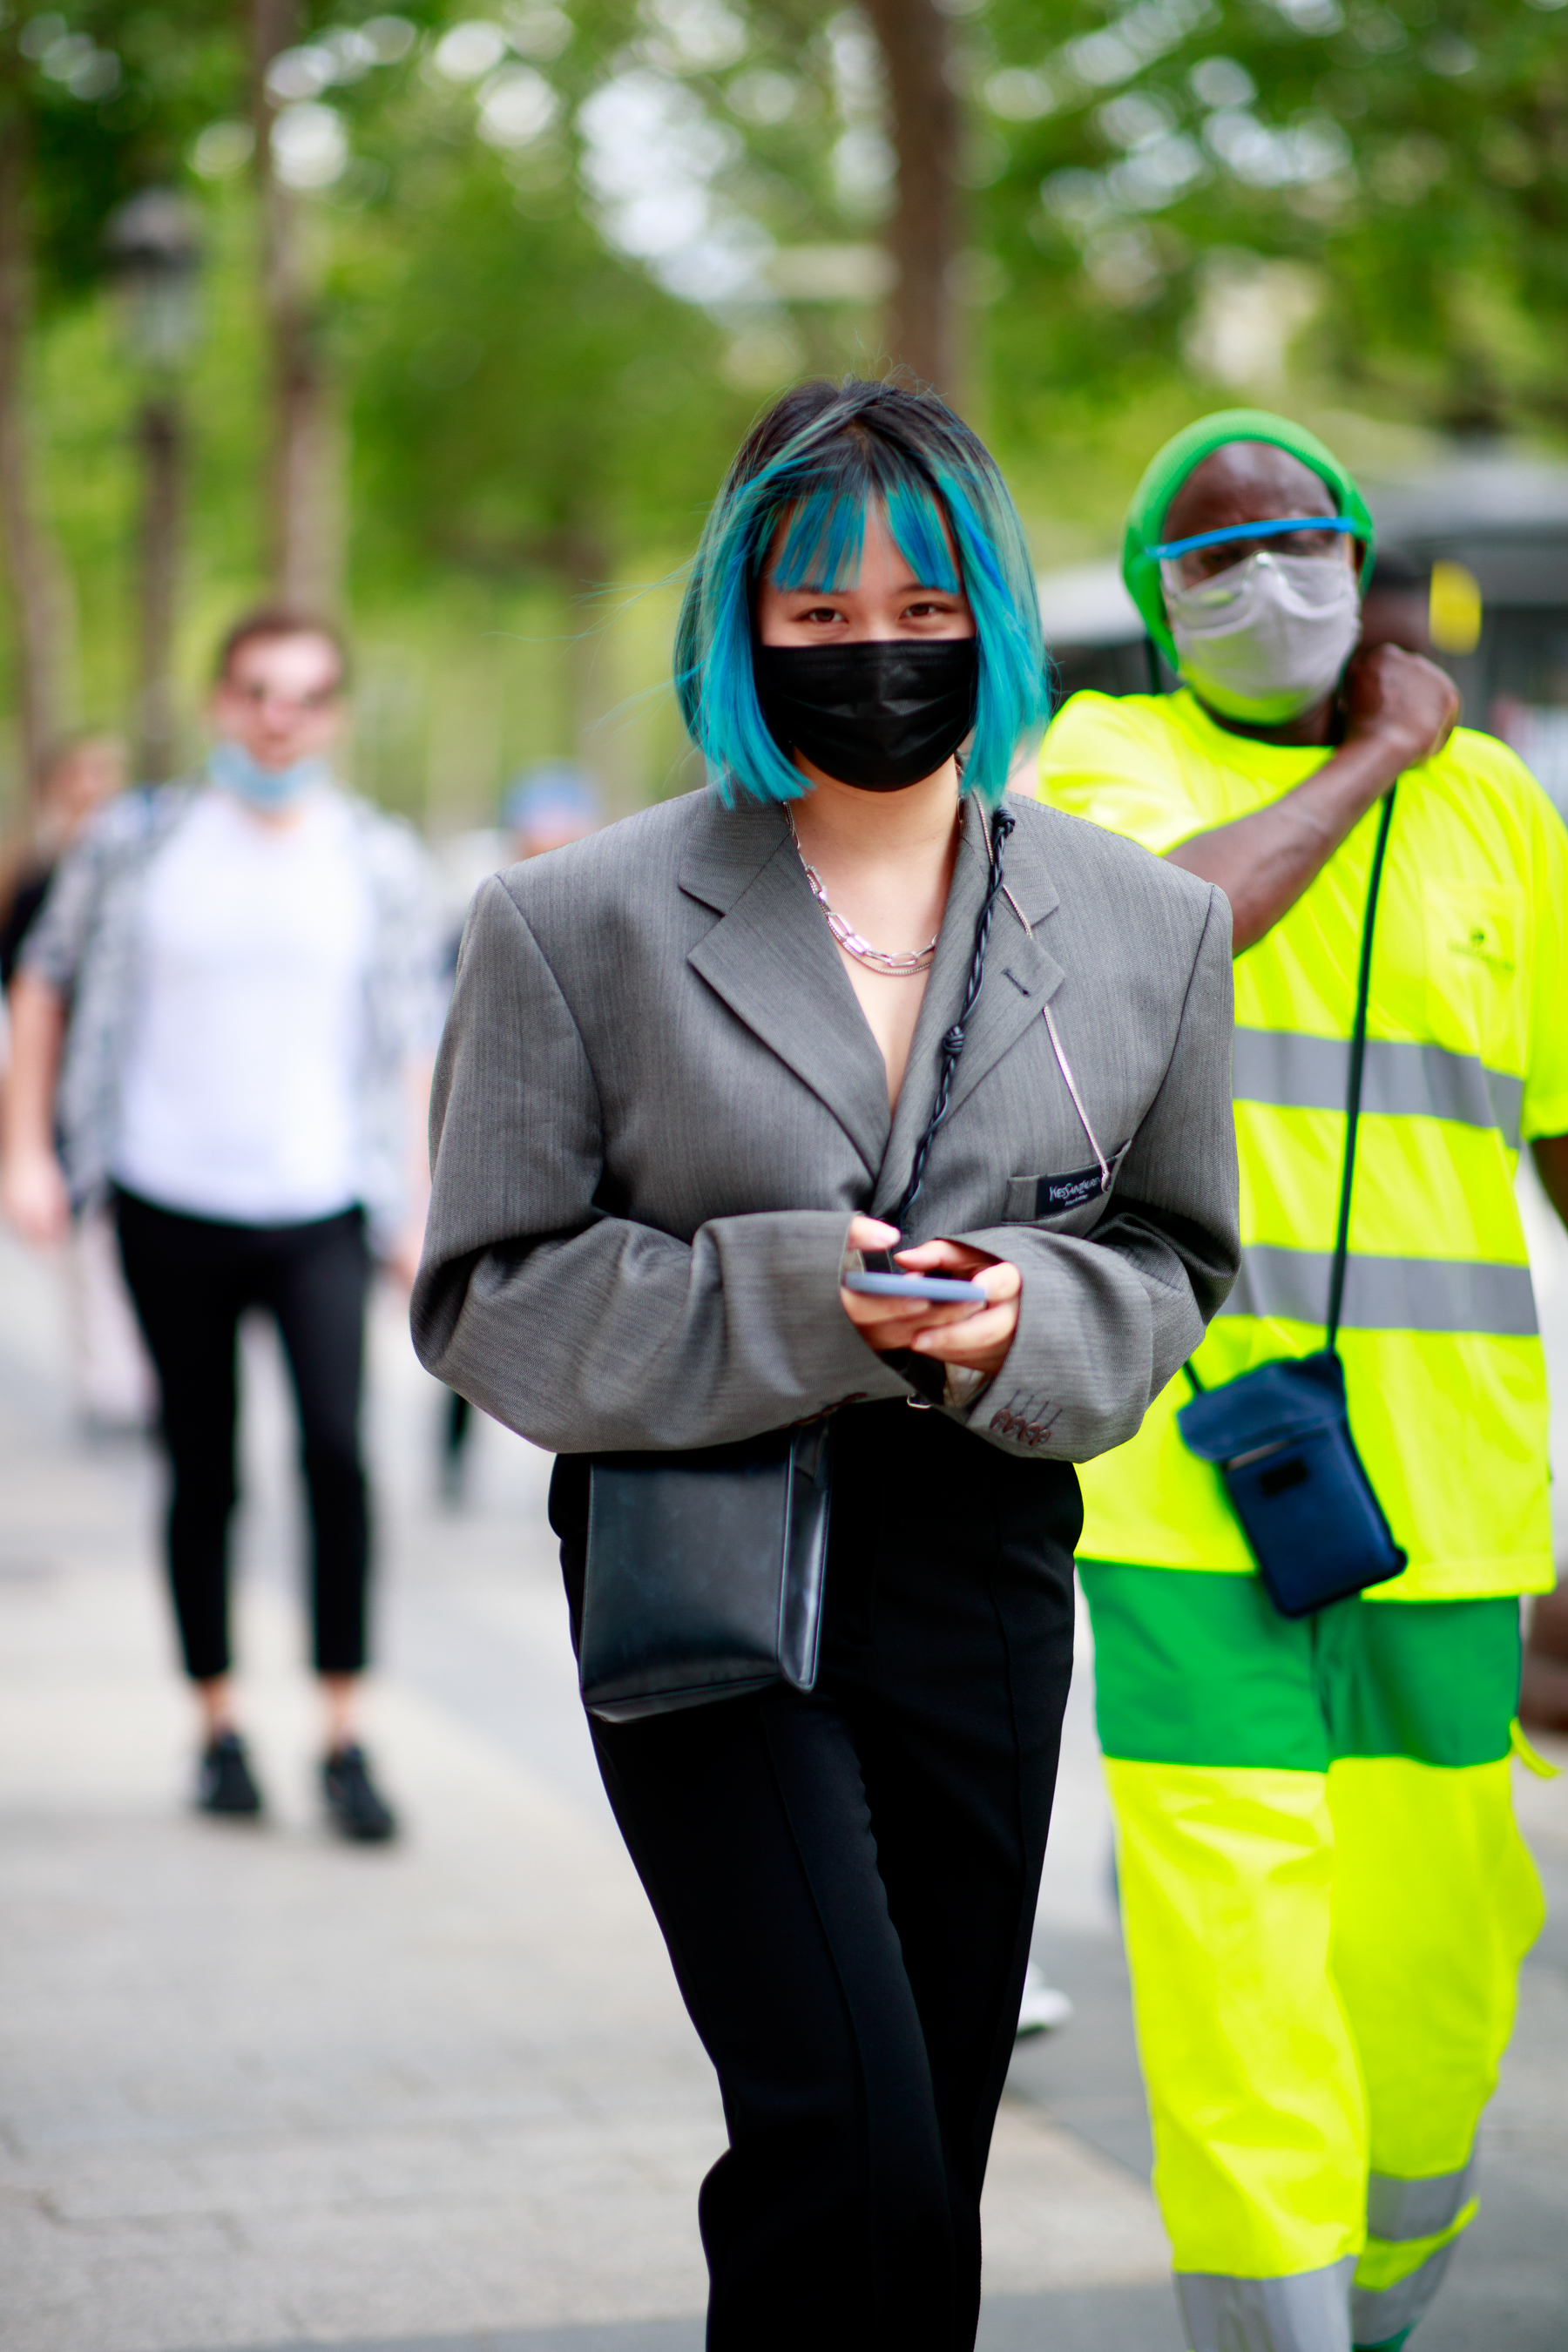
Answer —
1412 154
522 398
108 95
1357 203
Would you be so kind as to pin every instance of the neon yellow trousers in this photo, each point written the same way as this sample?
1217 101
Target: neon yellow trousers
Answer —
1326 1900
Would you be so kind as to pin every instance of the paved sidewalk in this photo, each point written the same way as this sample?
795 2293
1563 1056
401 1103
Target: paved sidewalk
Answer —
258 2090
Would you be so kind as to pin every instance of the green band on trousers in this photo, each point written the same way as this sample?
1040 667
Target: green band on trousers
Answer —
1326 1900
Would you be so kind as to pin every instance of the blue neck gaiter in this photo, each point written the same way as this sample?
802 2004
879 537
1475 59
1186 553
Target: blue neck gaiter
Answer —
230 765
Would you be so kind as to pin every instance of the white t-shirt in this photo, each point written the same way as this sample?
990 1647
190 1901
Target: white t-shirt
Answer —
239 1089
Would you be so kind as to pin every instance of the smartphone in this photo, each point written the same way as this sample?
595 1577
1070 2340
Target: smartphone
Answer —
944 1288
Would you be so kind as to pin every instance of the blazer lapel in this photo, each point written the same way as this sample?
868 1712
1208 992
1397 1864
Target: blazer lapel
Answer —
771 959
1020 975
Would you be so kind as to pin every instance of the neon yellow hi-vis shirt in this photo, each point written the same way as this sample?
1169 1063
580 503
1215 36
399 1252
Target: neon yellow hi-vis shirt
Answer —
1467 1053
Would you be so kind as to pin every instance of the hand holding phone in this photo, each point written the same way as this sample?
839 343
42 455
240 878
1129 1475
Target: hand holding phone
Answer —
892 1305
943 1289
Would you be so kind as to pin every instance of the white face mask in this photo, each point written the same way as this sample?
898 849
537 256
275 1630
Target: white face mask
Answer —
1267 638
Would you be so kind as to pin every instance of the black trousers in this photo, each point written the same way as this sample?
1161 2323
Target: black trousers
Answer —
191 1279
847 1884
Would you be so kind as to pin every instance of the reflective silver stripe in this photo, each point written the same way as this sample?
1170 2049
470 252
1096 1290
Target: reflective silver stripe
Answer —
1394 2309
1387 1294
1400 2209
1307 2312
1302 1073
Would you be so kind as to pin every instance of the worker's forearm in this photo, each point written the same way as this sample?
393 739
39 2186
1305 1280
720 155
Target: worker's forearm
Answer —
1264 861
27 1098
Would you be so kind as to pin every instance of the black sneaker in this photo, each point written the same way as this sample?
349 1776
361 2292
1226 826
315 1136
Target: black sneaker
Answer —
224 1784
355 1804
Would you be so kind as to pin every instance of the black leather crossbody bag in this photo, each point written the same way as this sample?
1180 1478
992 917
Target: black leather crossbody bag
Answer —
706 1569
1281 1434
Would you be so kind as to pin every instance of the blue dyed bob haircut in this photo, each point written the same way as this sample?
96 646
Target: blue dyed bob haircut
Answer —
814 462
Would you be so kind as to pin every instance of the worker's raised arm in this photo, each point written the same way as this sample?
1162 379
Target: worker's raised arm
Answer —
1401 709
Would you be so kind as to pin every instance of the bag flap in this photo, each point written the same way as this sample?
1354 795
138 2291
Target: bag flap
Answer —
1269 1405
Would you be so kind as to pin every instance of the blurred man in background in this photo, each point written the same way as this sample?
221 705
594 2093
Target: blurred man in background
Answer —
75 782
115 1392
227 1004
1325 1894
548 806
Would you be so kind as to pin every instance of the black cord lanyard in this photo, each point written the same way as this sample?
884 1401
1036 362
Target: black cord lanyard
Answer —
952 1041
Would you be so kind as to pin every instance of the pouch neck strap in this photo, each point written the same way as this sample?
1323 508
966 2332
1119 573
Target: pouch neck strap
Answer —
1352 1087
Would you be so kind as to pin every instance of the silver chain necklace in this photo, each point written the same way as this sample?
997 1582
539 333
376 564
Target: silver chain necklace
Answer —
893 967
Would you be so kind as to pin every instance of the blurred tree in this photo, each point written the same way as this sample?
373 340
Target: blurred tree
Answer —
528 403
302 494
35 576
922 236
302 487
154 254
1199 181
91 112
549 289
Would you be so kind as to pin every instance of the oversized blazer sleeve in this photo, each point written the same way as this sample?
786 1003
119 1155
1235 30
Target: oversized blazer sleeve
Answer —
582 1329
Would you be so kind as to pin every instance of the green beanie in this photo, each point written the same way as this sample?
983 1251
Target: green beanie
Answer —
1178 458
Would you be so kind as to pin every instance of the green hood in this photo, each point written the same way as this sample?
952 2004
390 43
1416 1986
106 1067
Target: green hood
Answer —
1167 472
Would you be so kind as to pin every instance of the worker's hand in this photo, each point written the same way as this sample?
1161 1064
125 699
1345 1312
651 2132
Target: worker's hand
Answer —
1400 702
33 1197
973 1338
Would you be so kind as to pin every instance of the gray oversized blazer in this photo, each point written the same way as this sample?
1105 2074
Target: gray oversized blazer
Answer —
657 1104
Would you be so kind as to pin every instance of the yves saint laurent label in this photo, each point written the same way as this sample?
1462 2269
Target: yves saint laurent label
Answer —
1054 1194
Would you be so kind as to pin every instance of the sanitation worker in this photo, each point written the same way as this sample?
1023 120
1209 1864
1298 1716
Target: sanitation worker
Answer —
1325 1895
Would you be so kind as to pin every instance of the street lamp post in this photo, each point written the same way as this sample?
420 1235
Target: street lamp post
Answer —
155 255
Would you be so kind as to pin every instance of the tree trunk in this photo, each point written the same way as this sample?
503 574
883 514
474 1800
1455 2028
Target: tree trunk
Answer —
40 597
161 431
923 235
304 509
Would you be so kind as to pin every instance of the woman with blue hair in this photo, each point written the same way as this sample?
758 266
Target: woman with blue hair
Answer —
827 1093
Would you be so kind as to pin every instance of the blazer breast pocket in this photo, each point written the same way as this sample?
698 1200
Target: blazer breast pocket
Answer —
1071 1203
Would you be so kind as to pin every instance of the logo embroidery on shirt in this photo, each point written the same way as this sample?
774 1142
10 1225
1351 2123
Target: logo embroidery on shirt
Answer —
1482 945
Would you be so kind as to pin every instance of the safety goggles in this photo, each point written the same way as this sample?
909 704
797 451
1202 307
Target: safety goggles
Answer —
1237 531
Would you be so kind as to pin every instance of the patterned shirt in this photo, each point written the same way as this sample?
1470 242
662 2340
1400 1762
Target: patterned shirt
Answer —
86 944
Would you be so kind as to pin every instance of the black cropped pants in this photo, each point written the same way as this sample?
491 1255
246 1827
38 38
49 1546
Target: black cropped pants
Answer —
191 1279
847 1884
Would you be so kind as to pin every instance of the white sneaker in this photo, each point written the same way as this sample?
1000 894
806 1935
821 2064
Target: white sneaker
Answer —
1043 2008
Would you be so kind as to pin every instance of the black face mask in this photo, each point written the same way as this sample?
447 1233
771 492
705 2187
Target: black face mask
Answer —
880 714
